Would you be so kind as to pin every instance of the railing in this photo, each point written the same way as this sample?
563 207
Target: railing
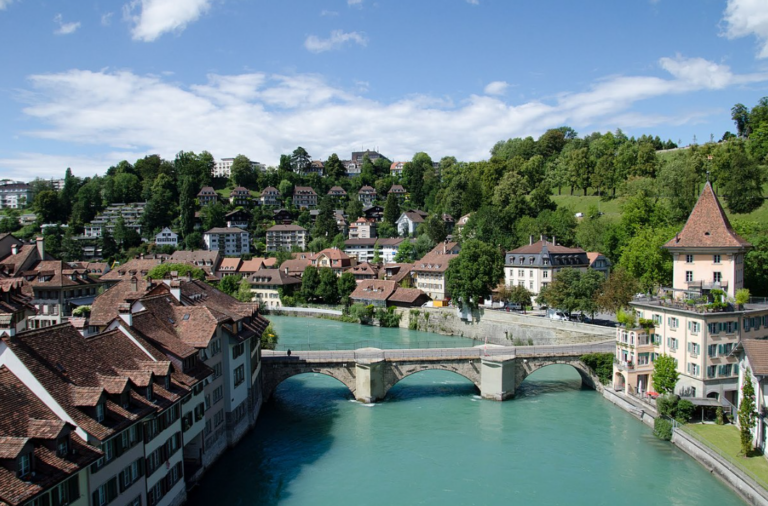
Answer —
437 353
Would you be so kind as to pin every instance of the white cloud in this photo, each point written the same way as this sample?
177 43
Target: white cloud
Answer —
157 17
337 39
106 19
328 13
126 115
354 2
4 4
64 28
748 17
496 88
473 2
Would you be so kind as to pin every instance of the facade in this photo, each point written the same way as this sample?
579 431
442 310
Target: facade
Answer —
207 195
223 167
270 196
304 196
366 195
599 262
352 168
398 191
14 195
286 237
338 193
240 196
108 218
230 241
363 228
364 271
363 250
16 307
382 293
333 258
695 321
266 285
429 272
753 357
167 237
396 169
409 221
206 260
238 219
534 266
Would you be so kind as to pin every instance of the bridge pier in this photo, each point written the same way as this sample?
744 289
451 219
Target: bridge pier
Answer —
497 377
369 378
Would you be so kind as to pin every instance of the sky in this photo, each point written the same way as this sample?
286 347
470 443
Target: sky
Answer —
87 83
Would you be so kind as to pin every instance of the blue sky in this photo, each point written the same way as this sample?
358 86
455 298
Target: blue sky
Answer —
88 83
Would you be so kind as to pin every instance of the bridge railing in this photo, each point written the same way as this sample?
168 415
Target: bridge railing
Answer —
382 345
437 353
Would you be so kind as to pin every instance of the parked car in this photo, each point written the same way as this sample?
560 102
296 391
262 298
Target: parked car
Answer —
557 315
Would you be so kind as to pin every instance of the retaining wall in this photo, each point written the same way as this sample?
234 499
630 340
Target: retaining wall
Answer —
504 328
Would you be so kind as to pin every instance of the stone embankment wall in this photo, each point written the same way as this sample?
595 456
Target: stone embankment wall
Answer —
503 328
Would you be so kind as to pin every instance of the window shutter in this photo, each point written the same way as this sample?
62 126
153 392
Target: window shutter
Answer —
74 488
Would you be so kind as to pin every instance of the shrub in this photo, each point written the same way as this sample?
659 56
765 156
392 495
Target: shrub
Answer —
82 311
388 317
662 429
667 405
719 416
600 363
684 412
269 338
362 313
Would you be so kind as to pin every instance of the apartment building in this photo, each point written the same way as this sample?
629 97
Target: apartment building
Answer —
536 264
396 169
286 237
167 237
267 284
333 258
363 250
270 196
108 219
429 272
338 193
362 228
240 196
696 321
366 195
231 241
304 196
14 194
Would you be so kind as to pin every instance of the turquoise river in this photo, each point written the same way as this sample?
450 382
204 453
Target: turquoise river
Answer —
433 441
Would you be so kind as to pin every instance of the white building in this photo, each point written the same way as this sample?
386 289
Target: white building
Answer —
223 167
14 195
409 221
167 238
365 249
229 241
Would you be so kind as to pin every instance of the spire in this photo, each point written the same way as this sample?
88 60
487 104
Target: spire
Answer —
707 226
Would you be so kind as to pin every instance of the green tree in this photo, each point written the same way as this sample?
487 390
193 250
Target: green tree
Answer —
163 270
269 338
665 374
213 215
406 252
646 260
87 202
161 208
109 249
187 194
71 251
244 293
310 282
346 285
229 284
300 160
242 173
747 414
756 266
435 228
391 209
325 223
376 253
328 289
564 292
617 291
46 205
354 209
334 169
474 273
740 116
740 178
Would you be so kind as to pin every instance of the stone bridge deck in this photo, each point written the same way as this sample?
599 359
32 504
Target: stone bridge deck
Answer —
369 373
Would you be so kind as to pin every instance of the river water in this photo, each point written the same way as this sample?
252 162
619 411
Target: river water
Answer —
433 441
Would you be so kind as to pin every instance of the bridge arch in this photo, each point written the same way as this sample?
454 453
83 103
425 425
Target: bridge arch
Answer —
397 372
529 366
280 373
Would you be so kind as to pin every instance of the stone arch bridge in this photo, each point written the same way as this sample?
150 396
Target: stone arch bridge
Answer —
369 373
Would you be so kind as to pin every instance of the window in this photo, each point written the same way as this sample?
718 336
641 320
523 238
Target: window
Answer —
215 347
724 370
672 343
694 348
25 464
62 446
521 273
694 327
218 394
724 349
239 375
716 259
530 283
688 276
100 412
693 369
689 259
656 319
673 322
717 277
545 274
711 371
217 370
238 350
712 350
218 418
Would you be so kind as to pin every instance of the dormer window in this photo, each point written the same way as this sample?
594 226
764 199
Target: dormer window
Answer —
62 446
24 464
100 412
125 400
149 391
167 381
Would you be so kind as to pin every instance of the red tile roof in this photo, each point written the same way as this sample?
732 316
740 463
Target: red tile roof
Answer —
373 289
707 226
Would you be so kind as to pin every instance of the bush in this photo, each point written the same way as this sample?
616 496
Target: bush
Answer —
684 412
601 364
269 338
388 317
719 416
362 313
662 429
667 405
82 311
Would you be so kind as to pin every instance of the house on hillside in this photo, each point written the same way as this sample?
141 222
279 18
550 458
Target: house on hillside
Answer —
366 195
409 221
206 196
270 196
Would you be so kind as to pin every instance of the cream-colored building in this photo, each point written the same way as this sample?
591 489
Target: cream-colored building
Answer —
696 321
267 283
429 272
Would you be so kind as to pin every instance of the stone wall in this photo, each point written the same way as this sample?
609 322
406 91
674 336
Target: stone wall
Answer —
503 328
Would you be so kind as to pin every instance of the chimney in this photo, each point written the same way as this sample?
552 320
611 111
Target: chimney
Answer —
40 242
124 310
541 238
530 239
134 284
554 241
176 290
15 249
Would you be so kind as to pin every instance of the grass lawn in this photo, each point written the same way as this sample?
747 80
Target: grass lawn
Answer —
725 439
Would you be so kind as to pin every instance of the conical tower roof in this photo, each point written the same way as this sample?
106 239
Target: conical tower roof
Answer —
707 226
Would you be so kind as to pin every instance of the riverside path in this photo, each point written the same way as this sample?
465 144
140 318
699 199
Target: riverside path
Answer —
369 373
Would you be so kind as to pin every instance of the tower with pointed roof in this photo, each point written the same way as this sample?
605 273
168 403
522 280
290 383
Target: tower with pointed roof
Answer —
707 254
